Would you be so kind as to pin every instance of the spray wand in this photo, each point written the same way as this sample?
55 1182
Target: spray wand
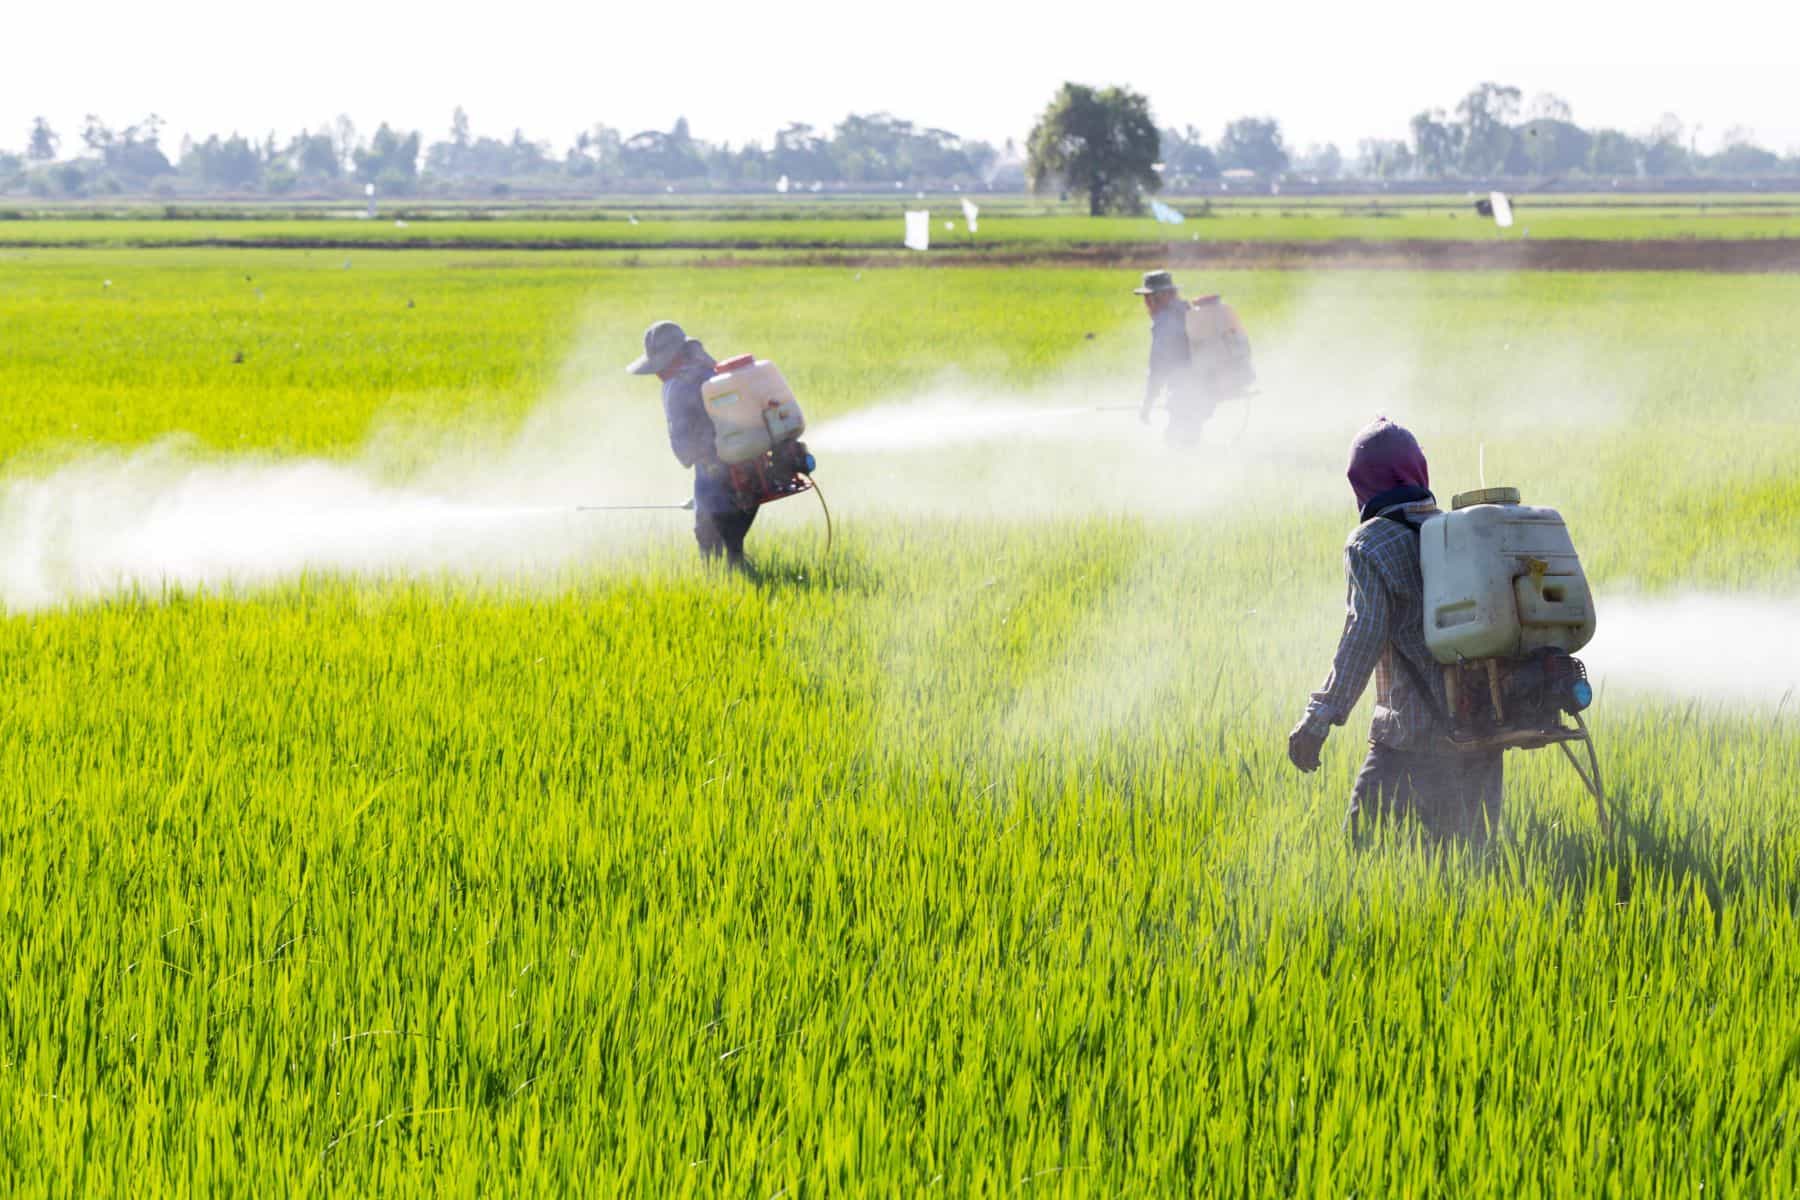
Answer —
687 507
812 486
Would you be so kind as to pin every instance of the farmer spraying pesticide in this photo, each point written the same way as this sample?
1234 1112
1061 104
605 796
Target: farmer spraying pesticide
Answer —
737 425
1199 357
1467 620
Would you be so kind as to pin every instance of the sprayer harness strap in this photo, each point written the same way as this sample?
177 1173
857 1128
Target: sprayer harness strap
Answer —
1418 681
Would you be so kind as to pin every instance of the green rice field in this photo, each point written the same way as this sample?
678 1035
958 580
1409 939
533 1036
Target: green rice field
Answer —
377 825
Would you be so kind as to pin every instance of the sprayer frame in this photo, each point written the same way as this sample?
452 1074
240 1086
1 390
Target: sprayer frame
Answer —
1560 736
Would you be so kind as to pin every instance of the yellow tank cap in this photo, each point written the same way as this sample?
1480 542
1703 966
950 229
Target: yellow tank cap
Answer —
1496 495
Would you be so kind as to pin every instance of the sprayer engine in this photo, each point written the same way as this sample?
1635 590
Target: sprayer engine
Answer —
757 425
1520 701
777 473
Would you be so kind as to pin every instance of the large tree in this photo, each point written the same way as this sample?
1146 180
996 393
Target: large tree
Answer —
1554 147
596 154
1253 144
1383 158
1664 153
1436 143
1613 153
44 141
1186 156
1103 143
390 160
1742 156
661 156
313 157
134 152
229 164
802 154
1489 143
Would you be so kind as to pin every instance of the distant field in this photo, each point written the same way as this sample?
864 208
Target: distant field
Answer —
864 226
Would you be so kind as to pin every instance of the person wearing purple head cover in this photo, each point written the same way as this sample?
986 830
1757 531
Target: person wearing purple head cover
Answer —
1411 770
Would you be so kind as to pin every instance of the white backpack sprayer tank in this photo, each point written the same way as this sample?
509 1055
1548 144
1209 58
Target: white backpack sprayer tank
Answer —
1219 348
757 425
1506 607
751 407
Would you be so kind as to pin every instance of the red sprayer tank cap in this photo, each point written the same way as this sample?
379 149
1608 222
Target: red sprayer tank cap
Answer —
732 364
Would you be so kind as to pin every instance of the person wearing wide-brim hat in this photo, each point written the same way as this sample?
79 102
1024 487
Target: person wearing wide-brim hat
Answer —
1157 283
682 363
1199 356
1171 359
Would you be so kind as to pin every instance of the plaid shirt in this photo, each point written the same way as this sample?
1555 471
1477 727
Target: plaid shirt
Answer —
1386 615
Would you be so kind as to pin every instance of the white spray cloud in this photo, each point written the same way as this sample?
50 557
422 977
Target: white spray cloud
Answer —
944 421
161 517
473 503
1732 649
961 451
170 515
480 505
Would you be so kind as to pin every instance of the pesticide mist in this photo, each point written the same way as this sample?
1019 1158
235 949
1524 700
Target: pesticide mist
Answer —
422 502
1720 649
169 516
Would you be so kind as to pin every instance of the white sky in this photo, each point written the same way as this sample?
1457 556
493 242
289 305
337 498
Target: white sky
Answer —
1331 72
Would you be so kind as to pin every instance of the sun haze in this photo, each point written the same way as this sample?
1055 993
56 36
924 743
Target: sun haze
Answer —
981 71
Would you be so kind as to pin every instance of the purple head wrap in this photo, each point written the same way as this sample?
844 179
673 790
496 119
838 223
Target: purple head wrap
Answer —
1383 457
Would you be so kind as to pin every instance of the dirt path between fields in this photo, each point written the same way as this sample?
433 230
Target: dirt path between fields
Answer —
1751 256
1741 255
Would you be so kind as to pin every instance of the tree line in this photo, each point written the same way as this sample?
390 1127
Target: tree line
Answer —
1102 143
861 151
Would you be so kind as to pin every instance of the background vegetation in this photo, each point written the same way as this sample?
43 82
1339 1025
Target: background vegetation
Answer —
1493 135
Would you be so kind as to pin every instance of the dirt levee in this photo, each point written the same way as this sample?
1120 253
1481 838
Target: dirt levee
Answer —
1751 256
1728 255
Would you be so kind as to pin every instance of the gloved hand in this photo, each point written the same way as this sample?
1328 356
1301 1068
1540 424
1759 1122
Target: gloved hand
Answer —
1303 748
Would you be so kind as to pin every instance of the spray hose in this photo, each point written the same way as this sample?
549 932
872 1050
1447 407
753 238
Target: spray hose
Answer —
1591 775
823 507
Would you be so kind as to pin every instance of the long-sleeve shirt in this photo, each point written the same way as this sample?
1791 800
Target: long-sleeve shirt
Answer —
1385 616
691 430
1170 356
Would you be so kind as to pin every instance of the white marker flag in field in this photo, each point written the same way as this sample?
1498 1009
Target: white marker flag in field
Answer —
1162 212
918 230
970 212
1502 209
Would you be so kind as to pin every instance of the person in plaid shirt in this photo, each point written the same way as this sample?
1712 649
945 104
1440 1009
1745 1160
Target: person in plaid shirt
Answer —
1411 771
